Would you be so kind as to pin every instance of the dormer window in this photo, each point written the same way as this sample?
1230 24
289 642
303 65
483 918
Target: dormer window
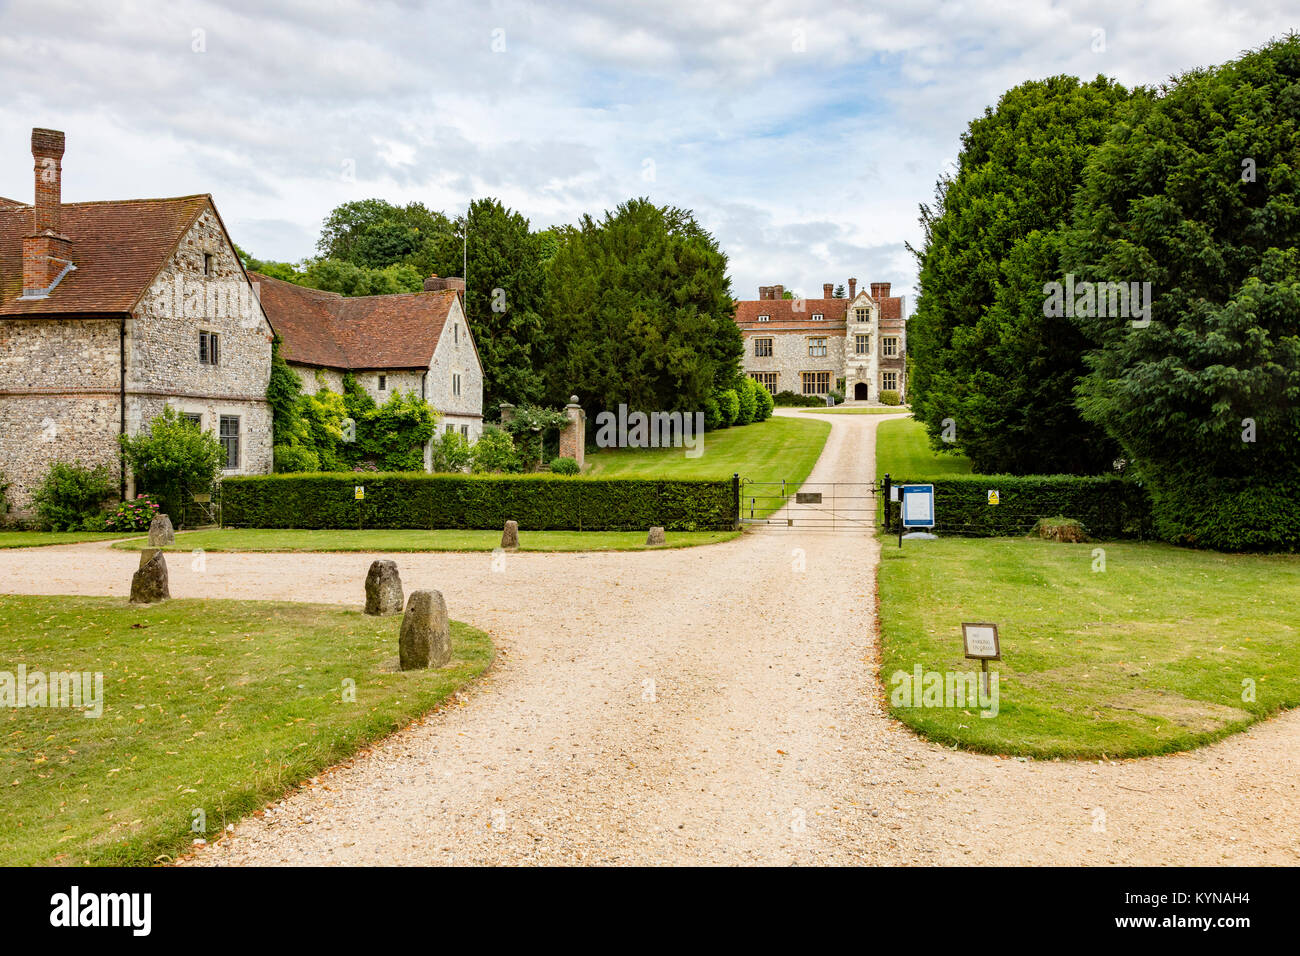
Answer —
818 317
861 315
765 318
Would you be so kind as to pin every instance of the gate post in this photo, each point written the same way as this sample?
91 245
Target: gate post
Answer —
887 485
735 500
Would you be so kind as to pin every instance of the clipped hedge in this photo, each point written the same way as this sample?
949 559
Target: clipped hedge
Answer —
1107 507
418 500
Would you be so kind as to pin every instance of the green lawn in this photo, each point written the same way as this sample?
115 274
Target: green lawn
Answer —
903 451
856 410
213 705
1145 657
36 539
764 451
271 539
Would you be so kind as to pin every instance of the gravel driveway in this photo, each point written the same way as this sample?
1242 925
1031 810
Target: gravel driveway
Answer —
708 705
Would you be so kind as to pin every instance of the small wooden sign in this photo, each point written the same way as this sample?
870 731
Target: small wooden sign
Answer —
993 496
360 493
808 497
981 641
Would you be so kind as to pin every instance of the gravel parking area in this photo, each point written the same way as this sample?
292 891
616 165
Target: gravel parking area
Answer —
711 705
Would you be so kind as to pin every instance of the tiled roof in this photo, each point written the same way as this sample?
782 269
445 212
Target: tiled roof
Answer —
118 247
359 332
783 317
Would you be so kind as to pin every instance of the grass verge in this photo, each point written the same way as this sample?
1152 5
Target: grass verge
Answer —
1156 653
217 706
903 451
39 539
274 539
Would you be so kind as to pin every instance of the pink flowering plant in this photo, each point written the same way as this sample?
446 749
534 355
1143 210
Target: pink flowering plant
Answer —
134 515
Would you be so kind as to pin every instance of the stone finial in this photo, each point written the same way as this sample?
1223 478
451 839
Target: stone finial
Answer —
573 399
149 583
161 532
510 536
656 536
425 640
383 589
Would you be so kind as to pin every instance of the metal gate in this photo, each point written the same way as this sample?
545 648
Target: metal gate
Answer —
824 506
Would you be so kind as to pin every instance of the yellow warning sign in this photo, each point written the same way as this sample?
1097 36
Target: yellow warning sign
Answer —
360 492
993 496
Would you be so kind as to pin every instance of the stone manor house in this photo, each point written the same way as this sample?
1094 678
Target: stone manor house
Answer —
112 311
807 346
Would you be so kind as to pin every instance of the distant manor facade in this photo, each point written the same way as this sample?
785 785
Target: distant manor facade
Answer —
808 346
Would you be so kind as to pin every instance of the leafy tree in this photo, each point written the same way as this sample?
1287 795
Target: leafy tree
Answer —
451 452
71 493
374 233
495 452
174 459
1196 193
766 403
639 310
982 354
747 400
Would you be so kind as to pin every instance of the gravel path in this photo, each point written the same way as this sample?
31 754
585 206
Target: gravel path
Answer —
707 706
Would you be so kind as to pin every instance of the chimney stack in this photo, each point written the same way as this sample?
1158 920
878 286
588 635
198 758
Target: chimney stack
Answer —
828 290
778 292
879 290
853 288
764 293
46 252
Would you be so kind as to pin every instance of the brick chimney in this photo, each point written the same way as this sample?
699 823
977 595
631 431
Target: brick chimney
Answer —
879 290
764 293
778 292
47 253
828 290
853 288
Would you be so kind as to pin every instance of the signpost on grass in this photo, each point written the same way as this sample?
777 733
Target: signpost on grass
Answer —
917 509
982 644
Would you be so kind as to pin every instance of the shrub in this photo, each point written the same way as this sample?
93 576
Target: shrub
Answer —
747 399
836 397
765 402
890 396
70 493
96 522
451 452
1106 507
289 458
1226 514
728 406
173 459
1060 529
788 399
495 452
418 500
133 515
564 466
4 491
712 414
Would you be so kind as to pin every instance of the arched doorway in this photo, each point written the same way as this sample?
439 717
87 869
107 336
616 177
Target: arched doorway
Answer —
860 392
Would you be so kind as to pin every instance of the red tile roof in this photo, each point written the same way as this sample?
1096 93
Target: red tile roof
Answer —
118 248
783 317
358 332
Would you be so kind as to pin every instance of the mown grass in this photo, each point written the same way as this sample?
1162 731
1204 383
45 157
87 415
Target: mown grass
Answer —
218 706
856 410
273 539
903 451
39 539
1153 654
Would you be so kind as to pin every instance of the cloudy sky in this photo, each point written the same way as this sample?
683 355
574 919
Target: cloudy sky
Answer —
803 134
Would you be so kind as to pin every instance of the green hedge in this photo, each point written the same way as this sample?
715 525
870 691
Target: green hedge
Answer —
419 500
1107 507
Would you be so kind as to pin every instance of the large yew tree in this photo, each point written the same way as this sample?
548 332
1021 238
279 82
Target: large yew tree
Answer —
986 366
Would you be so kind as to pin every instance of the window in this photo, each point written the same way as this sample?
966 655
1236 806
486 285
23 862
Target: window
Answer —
194 418
862 315
464 431
455 384
764 318
455 334
817 347
819 317
816 383
383 383
229 434
451 429
207 263
889 346
862 344
209 353
766 379
762 347
889 381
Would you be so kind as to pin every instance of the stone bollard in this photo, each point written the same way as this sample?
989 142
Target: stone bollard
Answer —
383 589
149 583
656 536
510 536
426 633
161 532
